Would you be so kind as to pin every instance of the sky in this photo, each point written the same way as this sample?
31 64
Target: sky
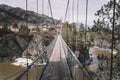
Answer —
59 7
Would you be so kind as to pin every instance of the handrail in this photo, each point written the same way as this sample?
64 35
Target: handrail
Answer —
81 66
47 61
29 66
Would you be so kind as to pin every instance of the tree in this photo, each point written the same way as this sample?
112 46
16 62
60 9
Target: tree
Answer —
80 36
104 26
105 16
5 30
69 33
65 32
73 33
24 29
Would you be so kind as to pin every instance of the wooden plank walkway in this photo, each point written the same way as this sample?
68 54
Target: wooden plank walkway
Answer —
57 67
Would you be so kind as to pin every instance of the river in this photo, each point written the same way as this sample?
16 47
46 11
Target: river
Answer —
8 71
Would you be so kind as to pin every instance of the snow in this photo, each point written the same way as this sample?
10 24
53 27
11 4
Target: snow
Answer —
22 62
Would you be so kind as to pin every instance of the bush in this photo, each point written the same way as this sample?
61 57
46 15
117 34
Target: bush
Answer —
24 29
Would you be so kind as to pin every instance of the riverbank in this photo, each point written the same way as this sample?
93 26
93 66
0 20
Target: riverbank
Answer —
97 56
104 52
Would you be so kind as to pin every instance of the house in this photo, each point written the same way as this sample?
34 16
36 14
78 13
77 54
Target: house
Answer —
33 28
14 29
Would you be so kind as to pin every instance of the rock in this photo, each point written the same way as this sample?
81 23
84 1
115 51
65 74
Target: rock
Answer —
13 47
21 42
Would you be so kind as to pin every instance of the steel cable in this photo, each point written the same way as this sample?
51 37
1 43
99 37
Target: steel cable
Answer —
113 25
66 10
50 8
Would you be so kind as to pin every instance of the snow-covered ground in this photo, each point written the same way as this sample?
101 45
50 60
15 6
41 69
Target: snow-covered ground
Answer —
22 62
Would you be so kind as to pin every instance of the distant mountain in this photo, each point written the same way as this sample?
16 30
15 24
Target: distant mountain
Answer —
11 15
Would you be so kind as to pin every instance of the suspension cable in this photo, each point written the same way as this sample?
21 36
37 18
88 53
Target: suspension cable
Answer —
88 76
50 8
37 14
27 26
66 10
85 31
67 13
77 10
77 19
73 11
72 22
37 7
73 38
29 66
86 18
39 31
76 36
42 6
113 25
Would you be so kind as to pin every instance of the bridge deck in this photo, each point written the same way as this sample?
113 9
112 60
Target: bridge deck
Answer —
57 67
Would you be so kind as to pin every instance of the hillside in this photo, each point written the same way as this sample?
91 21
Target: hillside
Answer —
12 15
13 44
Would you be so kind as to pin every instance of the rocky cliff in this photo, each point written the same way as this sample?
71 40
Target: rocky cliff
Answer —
13 45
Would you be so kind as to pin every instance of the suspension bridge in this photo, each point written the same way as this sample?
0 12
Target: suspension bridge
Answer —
61 62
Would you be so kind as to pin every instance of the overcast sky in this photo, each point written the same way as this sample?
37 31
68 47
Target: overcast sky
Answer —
59 6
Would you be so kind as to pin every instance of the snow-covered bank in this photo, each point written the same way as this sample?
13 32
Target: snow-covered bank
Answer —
22 62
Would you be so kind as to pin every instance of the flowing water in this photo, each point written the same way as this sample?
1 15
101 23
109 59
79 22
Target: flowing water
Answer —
10 72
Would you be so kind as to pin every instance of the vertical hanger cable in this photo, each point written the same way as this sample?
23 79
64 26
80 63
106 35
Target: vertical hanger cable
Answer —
113 25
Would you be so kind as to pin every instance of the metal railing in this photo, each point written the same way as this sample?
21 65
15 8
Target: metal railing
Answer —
19 77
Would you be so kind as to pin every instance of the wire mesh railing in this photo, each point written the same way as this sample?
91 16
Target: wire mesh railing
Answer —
68 61
34 70
77 69
57 67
